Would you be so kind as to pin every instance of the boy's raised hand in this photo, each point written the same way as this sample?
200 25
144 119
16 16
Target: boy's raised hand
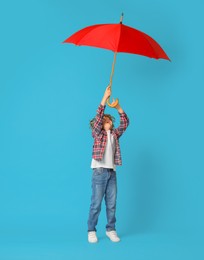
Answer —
107 93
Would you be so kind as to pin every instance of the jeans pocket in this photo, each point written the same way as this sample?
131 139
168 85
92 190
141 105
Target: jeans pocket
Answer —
98 171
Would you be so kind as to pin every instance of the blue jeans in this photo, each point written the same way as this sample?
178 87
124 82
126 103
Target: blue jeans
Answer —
104 183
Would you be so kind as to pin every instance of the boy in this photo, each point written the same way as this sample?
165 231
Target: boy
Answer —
105 156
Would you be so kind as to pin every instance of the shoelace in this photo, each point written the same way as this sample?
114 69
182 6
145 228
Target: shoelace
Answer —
92 234
113 233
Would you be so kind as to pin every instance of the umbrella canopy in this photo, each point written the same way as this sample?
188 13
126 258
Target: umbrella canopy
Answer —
118 38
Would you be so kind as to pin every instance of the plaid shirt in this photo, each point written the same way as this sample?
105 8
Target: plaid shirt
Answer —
100 135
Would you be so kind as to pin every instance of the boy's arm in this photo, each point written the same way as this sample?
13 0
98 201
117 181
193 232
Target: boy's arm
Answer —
98 123
124 121
103 101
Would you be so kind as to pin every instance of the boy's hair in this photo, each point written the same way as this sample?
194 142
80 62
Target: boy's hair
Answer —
112 118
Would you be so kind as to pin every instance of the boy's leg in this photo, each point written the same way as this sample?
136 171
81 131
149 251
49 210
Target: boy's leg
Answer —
110 200
99 181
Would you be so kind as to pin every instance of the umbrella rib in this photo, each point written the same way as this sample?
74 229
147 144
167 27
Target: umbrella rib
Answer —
119 37
95 28
151 46
89 32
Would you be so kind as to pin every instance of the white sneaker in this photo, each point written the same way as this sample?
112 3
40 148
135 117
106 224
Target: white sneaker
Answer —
92 238
113 236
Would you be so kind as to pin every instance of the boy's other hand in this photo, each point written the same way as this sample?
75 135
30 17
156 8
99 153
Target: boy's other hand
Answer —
119 108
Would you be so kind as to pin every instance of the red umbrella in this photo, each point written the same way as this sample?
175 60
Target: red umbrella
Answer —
118 38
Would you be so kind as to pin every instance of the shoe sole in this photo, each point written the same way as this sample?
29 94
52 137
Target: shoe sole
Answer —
112 240
93 242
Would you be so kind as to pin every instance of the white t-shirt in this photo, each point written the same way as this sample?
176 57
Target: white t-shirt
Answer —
108 157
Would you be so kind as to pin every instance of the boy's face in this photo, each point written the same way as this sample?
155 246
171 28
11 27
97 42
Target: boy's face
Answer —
107 123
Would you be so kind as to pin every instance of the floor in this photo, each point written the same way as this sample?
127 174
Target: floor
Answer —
60 245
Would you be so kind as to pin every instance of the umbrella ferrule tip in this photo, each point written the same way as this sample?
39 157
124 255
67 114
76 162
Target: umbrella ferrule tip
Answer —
121 18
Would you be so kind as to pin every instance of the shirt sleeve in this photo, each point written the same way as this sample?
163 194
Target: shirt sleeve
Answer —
98 122
124 122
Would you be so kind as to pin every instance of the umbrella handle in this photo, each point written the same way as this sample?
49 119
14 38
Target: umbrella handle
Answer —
114 103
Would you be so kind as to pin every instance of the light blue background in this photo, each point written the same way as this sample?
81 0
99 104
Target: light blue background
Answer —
48 93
